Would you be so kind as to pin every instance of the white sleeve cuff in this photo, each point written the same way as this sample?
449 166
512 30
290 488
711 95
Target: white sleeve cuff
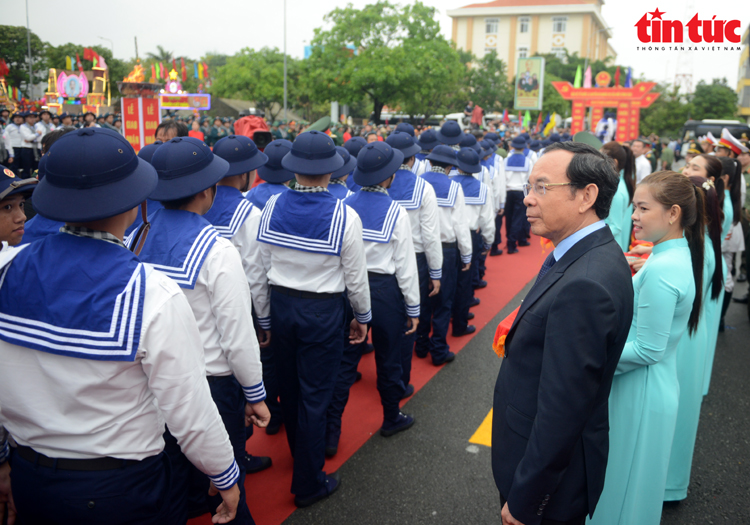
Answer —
466 259
436 274
487 246
412 311
255 394
364 318
228 478
4 452
264 322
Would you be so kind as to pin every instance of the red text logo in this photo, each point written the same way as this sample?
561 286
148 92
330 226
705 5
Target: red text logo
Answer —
658 30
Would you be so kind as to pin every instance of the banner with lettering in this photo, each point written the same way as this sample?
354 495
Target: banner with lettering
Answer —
140 118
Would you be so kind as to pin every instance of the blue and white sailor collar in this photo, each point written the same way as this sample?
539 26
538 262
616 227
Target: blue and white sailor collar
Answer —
407 189
377 211
229 211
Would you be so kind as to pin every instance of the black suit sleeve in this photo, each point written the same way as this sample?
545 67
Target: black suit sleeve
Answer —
579 329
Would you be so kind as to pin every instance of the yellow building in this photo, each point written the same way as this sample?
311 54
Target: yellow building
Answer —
520 28
743 79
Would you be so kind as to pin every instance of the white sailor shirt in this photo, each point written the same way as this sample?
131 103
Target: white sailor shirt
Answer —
12 138
29 136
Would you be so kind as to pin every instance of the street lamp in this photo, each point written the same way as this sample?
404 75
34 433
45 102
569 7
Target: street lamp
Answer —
111 45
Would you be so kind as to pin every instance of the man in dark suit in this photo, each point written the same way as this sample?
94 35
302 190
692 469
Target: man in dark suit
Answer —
550 424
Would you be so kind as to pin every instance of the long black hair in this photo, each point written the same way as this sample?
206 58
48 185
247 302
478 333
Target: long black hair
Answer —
733 168
625 161
714 215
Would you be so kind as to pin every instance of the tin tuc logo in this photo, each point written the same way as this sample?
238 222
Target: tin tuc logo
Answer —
657 30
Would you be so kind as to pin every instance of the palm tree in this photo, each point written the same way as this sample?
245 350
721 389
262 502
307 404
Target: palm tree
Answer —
162 55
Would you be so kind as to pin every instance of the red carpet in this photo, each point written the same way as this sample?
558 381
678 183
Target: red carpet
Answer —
268 494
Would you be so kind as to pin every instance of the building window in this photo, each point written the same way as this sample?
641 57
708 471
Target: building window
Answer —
559 52
523 24
559 23
523 52
491 25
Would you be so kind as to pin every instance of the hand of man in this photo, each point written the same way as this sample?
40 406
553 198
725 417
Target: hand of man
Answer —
257 414
508 519
10 160
357 332
411 323
466 267
264 338
228 508
500 212
434 287
7 508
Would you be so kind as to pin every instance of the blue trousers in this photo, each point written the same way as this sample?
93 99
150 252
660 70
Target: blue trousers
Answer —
135 494
440 307
465 287
270 382
230 401
425 313
515 217
498 231
346 377
308 345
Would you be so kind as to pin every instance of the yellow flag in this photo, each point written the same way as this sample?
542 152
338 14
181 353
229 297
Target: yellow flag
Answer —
200 70
548 129
68 65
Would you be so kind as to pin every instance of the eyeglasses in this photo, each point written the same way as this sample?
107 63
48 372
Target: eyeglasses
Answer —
540 188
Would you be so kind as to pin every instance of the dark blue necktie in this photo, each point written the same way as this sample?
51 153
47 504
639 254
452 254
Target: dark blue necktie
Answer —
548 263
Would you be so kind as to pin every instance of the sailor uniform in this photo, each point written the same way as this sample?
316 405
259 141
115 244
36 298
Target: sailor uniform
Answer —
394 289
39 227
188 249
456 240
517 171
27 150
312 250
260 194
13 141
339 189
151 208
120 327
418 199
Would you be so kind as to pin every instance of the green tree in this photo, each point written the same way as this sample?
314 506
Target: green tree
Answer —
667 114
253 75
489 83
161 55
14 50
364 53
714 101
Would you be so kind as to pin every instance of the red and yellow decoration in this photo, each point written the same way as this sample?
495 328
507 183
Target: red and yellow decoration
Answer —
502 331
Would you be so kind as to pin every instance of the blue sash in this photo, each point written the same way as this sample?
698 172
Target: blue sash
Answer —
517 162
446 190
475 192
407 189
177 245
339 191
40 227
79 297
229 211
309 222
260 194
378 213
151 208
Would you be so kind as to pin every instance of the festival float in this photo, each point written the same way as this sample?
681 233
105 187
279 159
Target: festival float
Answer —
140 107
174 98
86 89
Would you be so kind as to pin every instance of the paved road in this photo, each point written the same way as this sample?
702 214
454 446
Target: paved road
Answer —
433 475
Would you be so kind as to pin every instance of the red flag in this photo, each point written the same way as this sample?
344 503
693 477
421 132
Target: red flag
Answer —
87 53
4 69
174 64
506 118
182 66
617 77
161 71
538 123
153 71
78 63
520 119
205 70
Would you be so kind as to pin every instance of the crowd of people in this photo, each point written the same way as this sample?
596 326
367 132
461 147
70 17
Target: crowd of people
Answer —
219 302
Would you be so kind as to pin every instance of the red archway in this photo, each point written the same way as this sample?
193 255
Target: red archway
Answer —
628 101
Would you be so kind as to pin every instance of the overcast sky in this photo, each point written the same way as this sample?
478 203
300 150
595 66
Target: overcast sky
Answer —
194 27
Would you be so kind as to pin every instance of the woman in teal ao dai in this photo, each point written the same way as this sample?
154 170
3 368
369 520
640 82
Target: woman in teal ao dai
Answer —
618 220
645 392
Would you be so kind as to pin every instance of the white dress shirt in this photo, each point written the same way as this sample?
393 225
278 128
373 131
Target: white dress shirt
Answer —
246 241
642 168
12 138
221 304
514 180
321 273
482 216
454 226
398 257
66 407
425 230
29 136
499 183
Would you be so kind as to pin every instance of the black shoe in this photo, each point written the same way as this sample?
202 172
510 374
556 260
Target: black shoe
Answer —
449 358
368 349
494 253
671 504
481 284
524 243
358 378
742 277
405 422
470 316
474 302
470 329
512 250
408 392
332 484
273 427
255 464
741 300
421 355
